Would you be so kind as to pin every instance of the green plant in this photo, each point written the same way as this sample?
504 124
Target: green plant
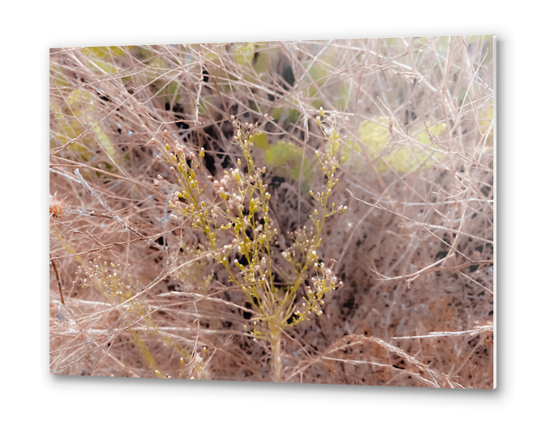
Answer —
238 223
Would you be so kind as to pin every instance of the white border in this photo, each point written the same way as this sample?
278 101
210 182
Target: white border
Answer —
495 206
29 29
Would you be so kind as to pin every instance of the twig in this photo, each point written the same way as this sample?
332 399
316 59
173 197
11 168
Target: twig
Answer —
58 279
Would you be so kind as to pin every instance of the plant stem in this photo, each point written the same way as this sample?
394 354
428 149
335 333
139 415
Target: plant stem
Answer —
58 279
275 347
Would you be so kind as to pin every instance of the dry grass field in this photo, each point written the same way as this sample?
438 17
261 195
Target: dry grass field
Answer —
308 211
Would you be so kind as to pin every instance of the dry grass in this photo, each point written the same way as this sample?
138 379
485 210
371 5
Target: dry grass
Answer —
414 249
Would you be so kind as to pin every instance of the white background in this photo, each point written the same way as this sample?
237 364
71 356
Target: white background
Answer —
29 29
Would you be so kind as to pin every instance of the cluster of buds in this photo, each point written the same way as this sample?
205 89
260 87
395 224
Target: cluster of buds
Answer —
179 153
249 127
246 132
173 150
158 180
112 281
255 333
324 282
234 245
222 186
236 202
332 132
303 242
188 202
329 165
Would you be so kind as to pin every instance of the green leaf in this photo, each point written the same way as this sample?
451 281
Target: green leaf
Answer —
244 54
276 113
293 115
402 158
262 62
261 140
103 51
81 105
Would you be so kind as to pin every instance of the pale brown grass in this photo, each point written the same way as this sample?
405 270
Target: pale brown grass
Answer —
415 249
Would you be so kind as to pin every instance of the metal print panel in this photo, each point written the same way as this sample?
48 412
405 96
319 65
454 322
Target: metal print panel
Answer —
303 212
